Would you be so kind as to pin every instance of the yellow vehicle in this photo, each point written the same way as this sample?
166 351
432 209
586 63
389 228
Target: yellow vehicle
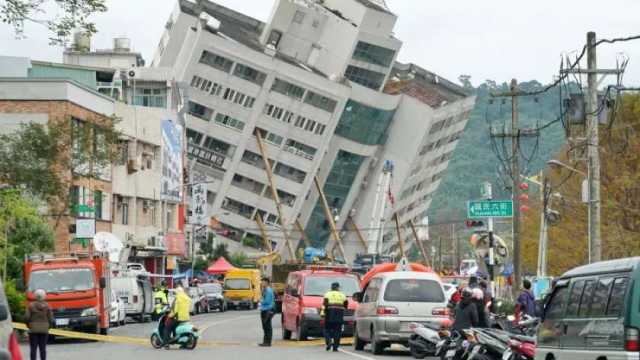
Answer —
242 288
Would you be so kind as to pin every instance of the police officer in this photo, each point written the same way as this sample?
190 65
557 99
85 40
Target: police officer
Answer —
160 299
335 303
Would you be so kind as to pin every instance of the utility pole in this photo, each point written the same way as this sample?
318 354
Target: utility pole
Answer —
515 176
542 243
595 248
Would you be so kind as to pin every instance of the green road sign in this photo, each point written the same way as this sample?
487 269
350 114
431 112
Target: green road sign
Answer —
490 208
84 208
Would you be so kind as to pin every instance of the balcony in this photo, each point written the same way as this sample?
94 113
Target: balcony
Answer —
298 152
238 208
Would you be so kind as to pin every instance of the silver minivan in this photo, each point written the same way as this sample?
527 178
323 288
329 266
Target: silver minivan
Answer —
391 301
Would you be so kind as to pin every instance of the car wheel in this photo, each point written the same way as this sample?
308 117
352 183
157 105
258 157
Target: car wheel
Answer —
376 346
301 333
358 343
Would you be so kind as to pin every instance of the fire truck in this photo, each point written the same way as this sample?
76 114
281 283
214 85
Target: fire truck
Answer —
77 286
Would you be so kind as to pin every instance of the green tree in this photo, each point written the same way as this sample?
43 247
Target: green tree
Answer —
45 159
238 259
24 231
71 15
221 250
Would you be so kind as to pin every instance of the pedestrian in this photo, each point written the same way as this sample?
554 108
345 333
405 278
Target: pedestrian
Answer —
466 313
38 318
473 282
267 306
334 305
526 303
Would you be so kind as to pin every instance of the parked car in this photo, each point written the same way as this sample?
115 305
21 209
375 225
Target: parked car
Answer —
593 313
215 296
391 301
8 340
303 301
199 299
117 314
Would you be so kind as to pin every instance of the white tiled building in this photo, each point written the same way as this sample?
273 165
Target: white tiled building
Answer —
320 82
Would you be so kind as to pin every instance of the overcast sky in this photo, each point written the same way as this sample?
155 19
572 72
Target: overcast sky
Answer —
491 39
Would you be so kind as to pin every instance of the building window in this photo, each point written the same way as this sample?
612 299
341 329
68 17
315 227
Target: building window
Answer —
368 78
298 18
150 97
437 127
320 101
300 149
216 89
250 74
320 129
200 111
300 120
249 102
286 88
194 137
274 38
216 61
373 54
364 124
124 212
228 121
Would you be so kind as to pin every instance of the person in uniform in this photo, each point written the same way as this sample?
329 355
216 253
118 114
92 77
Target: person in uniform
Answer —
160 300
335 303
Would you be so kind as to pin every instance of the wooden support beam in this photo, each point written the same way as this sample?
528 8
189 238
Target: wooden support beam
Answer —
305 239
420 244
363 242
329 216
274 193
400 239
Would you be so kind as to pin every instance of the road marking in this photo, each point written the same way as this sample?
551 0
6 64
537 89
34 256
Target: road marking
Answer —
204 327
357 356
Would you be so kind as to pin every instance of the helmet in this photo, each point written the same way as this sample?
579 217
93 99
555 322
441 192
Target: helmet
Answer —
335 286
477 294
467 293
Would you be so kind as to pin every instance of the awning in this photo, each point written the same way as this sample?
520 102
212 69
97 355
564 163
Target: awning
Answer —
220 266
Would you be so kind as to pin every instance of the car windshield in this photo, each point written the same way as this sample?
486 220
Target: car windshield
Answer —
320 285
237 284
412 290
61 280
212 288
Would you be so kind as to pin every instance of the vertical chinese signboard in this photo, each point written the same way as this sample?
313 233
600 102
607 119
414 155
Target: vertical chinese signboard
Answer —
171 179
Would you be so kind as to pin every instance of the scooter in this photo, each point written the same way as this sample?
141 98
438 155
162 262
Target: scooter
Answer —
186 335
424 341
520 348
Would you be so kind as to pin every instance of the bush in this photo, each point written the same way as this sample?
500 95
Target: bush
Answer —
17 301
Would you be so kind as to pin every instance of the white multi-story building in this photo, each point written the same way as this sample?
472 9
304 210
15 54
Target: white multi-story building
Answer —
320 83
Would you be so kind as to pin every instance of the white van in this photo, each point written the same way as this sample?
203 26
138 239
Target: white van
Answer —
136 294
391 302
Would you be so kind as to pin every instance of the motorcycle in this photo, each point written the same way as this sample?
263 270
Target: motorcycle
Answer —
425 340
486 344
186 335
520 348
454 345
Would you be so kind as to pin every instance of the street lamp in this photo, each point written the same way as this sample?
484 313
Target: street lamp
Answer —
589 201
559 163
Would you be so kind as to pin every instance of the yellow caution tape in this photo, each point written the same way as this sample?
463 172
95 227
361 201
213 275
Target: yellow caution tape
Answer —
129 340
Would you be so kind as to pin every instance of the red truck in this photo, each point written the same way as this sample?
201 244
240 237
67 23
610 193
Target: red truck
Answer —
77 287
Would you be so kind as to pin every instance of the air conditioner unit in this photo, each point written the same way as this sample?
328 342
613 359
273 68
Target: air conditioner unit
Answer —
133 165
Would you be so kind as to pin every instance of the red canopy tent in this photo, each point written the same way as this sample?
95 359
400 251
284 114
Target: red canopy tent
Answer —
220 266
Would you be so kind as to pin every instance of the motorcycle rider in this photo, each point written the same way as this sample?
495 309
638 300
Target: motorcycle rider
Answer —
179 314
466 312
160 299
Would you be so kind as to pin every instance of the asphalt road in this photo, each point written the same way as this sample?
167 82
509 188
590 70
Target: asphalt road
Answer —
231 335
